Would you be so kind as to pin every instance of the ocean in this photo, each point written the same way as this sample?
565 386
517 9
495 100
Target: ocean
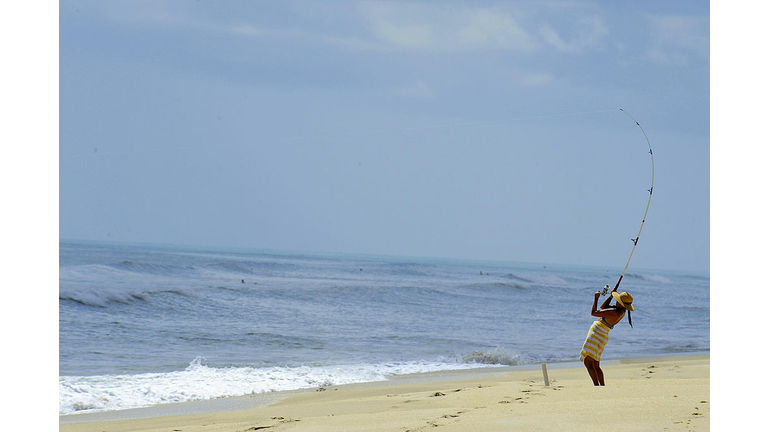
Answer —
141 325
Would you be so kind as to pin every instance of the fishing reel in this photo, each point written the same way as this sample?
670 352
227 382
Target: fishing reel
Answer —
606 289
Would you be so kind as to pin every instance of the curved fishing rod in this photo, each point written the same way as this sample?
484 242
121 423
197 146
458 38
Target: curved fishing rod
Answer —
650 195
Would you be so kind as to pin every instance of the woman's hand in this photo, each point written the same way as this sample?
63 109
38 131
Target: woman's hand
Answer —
597 295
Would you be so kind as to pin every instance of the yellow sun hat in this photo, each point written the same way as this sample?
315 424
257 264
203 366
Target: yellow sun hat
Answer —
624 299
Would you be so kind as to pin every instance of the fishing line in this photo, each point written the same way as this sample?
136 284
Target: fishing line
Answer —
97 152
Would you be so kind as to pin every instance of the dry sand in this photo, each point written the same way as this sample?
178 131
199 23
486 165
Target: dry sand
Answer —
647 394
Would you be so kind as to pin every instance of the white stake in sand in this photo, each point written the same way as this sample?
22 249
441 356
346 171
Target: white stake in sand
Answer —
546 377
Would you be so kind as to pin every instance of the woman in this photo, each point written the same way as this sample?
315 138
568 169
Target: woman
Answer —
598 333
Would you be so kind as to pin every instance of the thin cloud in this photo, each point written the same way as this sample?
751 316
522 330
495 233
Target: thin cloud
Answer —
146 11
535 79
418 90
678 38
494 30
444 28
412 36
435 27
352 43
584 33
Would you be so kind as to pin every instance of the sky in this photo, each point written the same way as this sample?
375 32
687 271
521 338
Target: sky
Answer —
481 130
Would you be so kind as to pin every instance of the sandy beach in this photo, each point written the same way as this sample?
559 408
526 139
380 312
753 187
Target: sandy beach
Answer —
644 394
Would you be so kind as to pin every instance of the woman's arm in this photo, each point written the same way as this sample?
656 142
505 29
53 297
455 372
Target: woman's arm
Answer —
594 303
603 312
607 301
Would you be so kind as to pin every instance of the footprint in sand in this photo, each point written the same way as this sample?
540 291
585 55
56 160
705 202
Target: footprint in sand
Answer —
285 420
438 422
530 393
696 410
647 371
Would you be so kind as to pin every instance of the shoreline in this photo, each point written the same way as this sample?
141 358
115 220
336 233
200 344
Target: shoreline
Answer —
687 374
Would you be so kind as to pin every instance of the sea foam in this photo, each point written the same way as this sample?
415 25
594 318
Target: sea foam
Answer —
200 382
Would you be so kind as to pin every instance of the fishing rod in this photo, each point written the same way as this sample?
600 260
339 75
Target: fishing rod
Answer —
650 195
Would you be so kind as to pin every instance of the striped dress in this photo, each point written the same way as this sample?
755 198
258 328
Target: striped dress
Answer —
596 340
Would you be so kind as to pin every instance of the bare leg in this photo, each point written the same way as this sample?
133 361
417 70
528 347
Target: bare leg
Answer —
589 363
600 377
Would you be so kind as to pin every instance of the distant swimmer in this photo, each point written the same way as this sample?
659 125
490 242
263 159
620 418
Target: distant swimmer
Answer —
598 332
